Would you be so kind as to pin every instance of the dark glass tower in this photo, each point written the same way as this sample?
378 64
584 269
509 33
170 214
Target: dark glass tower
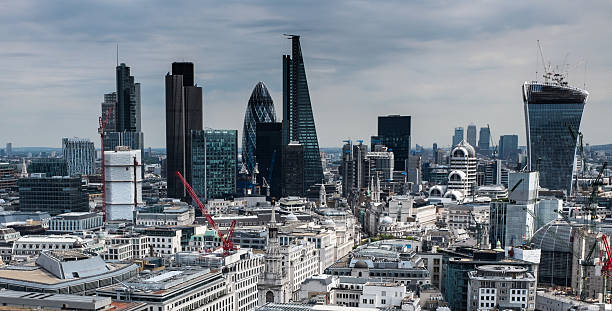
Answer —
260 109
551 108
214 158
484 141
183 114
394 133
269 155
508 148
293 170
128 101
298 121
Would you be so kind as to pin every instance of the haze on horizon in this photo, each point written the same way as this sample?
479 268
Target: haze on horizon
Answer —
446 64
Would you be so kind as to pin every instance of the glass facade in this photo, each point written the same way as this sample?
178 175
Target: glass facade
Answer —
260 109
298 121
55 195
49 166
80 156
394 133
484 141
550 111
214 157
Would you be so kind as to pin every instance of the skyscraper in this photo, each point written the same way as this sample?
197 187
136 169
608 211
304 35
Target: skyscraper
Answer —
458 136
293 169
80 156
394 133
128 101
269 155
260 109
110 102
484 141
298 121
471 134
183 114
219 149
9 149
551 108
508 148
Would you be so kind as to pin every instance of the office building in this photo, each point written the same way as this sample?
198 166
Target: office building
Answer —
183 114
484 141
65 271
298 120
55 195
260 109
128 101
501 287
214 162
462 177
471 135
76 221
508 148
394 133
293 170
347 169
123 183
110 102
8 176
48 166
380 164
551 109
269 150
9 149
457 136
80 156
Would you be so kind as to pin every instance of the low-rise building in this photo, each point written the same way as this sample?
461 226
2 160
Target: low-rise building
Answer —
165 241
499 286
166 213
35 244
126 247
76 221
8 236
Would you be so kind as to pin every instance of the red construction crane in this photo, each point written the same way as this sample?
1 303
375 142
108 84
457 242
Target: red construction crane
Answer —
101 131
607 265
226 240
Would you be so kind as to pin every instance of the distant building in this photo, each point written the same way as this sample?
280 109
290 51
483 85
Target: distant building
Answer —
123 183
260 109
484 141
471 135
80 156
214 162
49 166
183 114
110 102
380 164
269 156
9 149
458 136
508 148
55 195
293 170
462 177
8 177
394 133
298 119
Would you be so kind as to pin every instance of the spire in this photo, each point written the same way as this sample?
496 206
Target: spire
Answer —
273 218
24 169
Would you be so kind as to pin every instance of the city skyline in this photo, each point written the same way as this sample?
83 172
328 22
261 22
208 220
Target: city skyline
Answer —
61 91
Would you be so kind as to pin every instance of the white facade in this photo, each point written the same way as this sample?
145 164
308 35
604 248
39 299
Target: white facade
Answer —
76 221
463 165
166 244
80 156
382 295
126 247
34 244
123 183
499 287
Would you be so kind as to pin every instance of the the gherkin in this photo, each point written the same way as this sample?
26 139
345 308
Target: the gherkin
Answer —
259 110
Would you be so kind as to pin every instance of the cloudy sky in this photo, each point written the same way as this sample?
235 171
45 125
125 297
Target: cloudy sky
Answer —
447 64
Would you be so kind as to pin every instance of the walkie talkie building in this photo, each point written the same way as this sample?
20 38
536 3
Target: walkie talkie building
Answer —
551 109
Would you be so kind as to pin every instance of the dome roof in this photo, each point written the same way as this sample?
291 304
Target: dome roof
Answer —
463 149
291 218
454 194
553 237
361 265
437 191
386 220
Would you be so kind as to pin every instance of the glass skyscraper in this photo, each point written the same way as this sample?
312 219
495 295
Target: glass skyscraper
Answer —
484 141
213 164
458 136
551 108
260 109
394 133
298 121
80 156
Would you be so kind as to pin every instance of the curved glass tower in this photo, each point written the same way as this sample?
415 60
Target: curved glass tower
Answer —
551 109
259 110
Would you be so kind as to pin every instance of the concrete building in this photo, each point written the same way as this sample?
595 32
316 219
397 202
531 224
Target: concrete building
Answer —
76 221
165 241
123 183
18 300
462 177
65 272
175 289
8 236
80 156
498 286
126 247
380 164
165 214
35 244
